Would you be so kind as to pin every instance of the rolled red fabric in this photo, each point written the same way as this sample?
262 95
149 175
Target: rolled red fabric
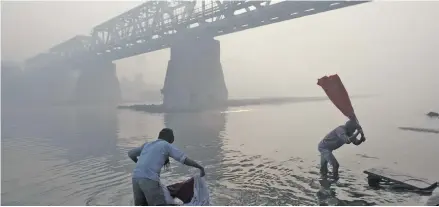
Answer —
337 93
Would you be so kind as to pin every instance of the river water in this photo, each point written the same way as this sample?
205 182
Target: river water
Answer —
257 155
254 155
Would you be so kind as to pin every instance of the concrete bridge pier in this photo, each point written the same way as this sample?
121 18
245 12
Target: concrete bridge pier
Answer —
194 77
98 84
47 86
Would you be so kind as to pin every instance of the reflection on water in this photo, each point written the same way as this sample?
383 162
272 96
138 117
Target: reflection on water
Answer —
59 156
327 196
200 135
265 155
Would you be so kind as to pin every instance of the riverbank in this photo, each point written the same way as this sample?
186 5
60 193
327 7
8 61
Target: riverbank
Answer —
159 108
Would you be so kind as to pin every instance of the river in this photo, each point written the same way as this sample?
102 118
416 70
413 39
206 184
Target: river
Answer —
254 155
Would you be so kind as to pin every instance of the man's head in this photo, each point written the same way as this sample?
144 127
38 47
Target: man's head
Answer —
351 126
167 134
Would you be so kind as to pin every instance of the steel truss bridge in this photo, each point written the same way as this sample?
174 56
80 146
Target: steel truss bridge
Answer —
155 25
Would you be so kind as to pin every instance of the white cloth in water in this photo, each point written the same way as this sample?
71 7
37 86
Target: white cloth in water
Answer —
168 197
201 193
433 200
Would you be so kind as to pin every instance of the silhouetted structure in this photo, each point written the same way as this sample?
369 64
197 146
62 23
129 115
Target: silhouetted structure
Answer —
98 83
188 28
195 78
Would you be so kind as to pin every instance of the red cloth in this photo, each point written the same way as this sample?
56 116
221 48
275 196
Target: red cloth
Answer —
337 93
183 190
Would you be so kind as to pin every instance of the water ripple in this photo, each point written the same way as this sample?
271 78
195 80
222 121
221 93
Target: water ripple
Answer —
87 164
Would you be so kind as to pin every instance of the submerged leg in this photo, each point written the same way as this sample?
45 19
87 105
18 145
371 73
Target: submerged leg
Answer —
323 165
331 159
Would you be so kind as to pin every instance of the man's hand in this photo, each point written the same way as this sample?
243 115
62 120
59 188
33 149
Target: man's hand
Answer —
202 173
361 131
363 139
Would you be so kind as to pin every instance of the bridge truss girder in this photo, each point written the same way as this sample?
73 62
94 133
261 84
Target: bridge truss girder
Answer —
134 37
155 25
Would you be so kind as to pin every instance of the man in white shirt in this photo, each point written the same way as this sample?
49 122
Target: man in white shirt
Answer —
152 157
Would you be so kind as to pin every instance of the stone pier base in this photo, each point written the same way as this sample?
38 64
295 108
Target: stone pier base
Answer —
194 77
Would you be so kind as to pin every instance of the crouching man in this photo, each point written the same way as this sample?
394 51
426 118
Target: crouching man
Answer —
152 157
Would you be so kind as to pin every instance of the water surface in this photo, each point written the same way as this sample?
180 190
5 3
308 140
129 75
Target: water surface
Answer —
261 155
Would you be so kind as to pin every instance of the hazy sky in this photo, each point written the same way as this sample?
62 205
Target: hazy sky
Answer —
370 45
31 27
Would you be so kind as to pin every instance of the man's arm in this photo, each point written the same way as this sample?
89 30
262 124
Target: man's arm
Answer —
341 132
178 155
194 164
134 153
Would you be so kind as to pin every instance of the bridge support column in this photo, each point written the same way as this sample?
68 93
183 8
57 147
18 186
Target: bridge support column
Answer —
50 85
194 77
98 84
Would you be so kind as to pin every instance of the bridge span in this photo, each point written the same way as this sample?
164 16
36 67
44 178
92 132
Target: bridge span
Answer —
188 28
